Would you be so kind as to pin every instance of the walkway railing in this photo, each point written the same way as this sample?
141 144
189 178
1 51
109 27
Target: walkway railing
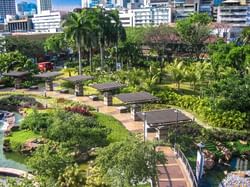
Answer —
186 163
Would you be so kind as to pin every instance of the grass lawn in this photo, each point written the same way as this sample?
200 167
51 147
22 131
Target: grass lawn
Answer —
18 138
118 131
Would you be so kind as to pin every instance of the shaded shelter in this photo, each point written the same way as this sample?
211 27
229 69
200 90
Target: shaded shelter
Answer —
107 89
48 77
78 82
18 77
136 100
162 119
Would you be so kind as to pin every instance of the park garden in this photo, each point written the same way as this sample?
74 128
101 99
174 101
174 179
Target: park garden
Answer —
187 67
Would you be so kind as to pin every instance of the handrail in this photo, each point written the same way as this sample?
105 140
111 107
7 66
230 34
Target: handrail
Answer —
186 163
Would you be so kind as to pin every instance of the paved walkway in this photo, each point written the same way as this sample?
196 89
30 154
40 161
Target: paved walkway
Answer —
172 174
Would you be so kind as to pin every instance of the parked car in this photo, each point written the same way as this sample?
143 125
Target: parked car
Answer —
45 66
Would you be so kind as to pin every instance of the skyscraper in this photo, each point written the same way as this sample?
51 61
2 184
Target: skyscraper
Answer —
7 7
43 5
26 8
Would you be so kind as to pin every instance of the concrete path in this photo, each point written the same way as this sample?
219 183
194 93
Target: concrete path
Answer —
172 174
15 172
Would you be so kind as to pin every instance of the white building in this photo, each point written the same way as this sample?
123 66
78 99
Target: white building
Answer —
145 16
43 5
47 21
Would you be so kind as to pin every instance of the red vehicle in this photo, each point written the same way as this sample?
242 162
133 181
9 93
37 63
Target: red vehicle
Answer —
45 66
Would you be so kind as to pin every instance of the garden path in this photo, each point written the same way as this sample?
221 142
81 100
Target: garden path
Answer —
172 174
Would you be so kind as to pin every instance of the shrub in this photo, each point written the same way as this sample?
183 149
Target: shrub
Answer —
79 109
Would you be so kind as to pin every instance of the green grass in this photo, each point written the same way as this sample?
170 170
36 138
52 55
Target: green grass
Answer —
18 138
118 131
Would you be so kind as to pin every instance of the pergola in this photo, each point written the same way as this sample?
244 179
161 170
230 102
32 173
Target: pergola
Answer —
106 89
49 77
136 100
18 76
78 82
162 119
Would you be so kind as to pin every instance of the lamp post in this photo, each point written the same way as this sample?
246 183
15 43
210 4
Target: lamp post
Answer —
145 126
177 119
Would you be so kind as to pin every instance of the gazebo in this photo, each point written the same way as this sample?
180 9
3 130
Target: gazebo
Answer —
161 120
49 77
78 82
136 100
18 77
107 89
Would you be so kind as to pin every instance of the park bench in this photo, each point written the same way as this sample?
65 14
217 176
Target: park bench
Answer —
122 109
94 97
33 87
64 91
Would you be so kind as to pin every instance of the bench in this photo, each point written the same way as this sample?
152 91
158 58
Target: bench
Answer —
2 86
122 109
64 91
94 97
33 87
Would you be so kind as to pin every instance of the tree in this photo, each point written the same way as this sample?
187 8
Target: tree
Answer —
56 43
49 160
176 70
76 132
16 61
36 121
72 176
245 36
76 28
28 47
194 31
129 162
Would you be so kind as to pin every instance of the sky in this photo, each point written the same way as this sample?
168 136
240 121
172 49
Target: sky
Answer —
60 4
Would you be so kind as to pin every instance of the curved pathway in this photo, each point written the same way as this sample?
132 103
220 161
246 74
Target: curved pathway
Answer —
172 174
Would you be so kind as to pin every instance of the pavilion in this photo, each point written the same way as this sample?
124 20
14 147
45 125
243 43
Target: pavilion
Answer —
18 77
136 100
107 89
161 120
49 77
78 82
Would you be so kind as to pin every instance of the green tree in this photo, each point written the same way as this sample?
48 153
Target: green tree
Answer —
177 72
245 36
129 162
194 31
77 28
49 160
76 132
36 121
72 176
16 61
56 43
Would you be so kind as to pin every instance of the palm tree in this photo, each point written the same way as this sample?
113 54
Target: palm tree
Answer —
176 70
76 27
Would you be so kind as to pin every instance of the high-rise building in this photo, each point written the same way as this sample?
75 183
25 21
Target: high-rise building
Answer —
25 8
7 7
43 5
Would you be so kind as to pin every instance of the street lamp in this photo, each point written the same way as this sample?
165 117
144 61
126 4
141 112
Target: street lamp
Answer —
177 119
145 126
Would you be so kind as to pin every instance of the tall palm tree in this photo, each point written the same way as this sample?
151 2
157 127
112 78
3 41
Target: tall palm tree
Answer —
76 27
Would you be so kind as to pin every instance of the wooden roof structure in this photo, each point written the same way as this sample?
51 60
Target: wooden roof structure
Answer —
48 75
136 98
159 118
78 78
107 86
16 73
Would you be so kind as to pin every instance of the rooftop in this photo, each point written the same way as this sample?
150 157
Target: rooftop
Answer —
164 117
48 74
136 98
78 78
16 73
107 86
